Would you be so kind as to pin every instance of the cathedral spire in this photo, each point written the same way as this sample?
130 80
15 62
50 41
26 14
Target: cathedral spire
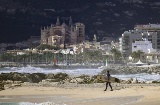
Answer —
58 22
70 21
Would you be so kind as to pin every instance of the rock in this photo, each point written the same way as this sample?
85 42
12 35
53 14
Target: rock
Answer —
8 82
79 80
117 80
26 83
129 81
16 85
73 81
49 76
131 70
37 77
1 85
148 82
17 82
61 76
50 80
134 81
155 81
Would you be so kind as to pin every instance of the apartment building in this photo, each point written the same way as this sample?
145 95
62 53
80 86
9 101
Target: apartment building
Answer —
150 32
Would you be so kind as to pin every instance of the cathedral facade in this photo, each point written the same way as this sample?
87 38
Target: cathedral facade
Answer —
60 34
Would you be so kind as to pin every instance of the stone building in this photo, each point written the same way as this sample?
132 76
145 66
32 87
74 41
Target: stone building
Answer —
60 34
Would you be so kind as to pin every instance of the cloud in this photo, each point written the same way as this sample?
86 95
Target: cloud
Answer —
116 14
129 13
156 4
105 4
132 1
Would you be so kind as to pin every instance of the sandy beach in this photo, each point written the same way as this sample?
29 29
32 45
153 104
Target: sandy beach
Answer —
86 95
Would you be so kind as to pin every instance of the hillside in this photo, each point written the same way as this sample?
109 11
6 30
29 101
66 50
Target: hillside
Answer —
20 19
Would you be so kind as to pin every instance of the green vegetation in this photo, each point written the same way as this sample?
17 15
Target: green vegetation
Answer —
116 54
45 46
136 54
46 57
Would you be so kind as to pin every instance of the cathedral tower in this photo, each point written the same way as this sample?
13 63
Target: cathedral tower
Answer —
58 22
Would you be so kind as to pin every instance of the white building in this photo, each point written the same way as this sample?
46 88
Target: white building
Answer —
144 46
140 32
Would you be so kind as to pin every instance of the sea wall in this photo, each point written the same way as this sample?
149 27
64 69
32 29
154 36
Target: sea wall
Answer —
114 69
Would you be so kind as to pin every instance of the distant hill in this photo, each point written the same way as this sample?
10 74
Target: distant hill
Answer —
20 19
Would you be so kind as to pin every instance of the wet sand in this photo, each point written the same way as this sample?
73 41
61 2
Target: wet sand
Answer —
134 95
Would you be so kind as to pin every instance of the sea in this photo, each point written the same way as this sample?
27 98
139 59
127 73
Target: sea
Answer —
79 71
73 72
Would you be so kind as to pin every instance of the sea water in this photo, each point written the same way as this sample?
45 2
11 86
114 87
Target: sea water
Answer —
75 72
78 72
28 103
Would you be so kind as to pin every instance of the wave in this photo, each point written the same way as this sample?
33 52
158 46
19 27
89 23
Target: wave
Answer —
77 72
28 103
30 69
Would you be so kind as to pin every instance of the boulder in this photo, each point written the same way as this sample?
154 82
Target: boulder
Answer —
134 81
1 85
36 77
49 76
148 82
61 76
73 80
50 80
79 80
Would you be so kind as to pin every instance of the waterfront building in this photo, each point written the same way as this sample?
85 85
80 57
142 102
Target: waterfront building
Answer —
144 46
128 37
63 34
151 32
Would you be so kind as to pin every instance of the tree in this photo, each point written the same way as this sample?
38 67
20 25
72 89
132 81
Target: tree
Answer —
45 46
116 54
95 56
136 54
6 57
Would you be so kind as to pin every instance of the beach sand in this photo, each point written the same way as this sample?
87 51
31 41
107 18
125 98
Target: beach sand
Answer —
133 95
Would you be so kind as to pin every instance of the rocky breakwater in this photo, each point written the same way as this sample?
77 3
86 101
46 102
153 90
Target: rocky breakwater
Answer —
14 79
129 70
1 85
132 69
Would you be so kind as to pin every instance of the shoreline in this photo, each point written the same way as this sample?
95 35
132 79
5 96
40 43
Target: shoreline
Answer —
58 66
59 89
88 95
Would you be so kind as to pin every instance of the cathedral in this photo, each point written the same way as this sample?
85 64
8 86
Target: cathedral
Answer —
62 34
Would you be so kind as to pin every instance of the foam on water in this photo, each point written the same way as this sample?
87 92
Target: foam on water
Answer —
77 72
141 77
28 103
30 69
44 103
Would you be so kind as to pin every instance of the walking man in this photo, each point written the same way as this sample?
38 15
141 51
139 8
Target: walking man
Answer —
108 82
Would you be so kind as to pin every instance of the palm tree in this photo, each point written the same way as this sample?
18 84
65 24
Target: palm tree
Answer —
116 54
136 54
6 57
